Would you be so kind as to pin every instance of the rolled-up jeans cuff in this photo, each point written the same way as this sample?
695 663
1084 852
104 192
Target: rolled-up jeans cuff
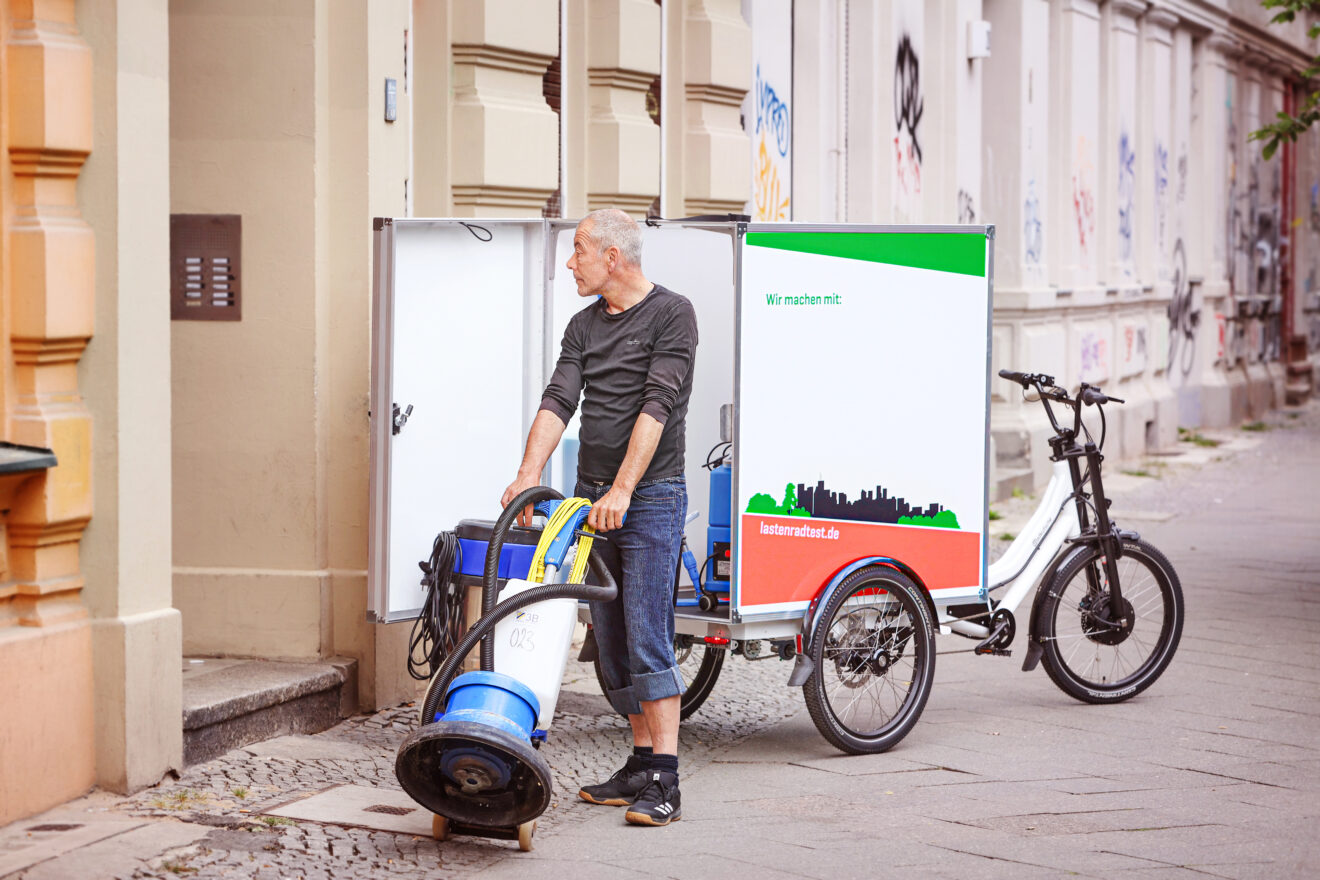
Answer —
648 686
624 700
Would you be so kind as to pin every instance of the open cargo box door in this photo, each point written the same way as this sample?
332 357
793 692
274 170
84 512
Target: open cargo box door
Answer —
863 408
457 335
468 317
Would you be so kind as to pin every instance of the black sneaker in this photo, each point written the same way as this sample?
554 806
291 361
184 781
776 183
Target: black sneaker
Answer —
658 802
621 788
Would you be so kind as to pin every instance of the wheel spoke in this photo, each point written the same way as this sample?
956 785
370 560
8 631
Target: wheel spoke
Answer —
1084 648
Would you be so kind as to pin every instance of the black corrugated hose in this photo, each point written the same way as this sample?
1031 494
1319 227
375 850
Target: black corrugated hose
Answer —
493 613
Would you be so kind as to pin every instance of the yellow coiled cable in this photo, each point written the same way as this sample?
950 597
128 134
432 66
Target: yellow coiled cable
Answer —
562 516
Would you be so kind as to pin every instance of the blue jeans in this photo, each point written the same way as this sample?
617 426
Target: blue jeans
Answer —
635 631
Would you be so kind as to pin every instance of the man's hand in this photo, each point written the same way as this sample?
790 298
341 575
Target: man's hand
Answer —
607 513
516 488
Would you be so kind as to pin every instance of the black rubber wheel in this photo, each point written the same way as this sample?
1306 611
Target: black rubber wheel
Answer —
874 659
1094 660
698 663
474 774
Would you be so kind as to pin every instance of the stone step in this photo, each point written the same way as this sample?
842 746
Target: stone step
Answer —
1008 479
228 703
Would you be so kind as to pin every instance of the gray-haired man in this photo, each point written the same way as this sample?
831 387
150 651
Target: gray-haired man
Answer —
629 355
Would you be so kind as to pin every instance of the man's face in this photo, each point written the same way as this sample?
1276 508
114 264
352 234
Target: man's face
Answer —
590 268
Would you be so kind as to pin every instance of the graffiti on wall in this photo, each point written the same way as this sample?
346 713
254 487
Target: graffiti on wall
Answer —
966 207
1254 240
1133 349
1184 316
1094 352
909 106
1033 233
1161 195
1084 199
770 197
1127 178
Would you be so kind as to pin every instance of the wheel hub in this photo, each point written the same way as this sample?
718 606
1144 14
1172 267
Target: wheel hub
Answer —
1096 622
861 651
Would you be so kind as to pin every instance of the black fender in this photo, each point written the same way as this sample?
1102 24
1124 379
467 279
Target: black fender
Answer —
1033 627
1033 624
803 668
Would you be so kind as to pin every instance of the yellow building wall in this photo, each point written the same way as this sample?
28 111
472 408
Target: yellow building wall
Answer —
46 753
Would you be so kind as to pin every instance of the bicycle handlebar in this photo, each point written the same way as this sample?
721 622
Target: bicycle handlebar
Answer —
1026 380
1088 395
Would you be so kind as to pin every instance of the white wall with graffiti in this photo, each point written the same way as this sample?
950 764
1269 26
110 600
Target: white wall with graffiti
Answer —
768 111
1142 242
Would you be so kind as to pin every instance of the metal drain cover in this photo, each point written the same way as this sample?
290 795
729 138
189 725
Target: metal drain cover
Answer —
360 806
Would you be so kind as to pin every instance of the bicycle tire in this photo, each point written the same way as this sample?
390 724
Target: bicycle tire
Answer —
1067 632
702 683
865 642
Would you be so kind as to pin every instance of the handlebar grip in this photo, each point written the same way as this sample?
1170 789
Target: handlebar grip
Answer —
1013 376
1092 396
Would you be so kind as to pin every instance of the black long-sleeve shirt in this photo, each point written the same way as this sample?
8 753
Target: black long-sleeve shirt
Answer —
638 361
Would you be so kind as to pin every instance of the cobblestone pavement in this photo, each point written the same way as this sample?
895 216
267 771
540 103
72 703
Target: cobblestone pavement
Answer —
587 743
1213 772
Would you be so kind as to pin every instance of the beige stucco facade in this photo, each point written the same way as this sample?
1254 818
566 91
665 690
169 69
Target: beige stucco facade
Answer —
211 491
270 413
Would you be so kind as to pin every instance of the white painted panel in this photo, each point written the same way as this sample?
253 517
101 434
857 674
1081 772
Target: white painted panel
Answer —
457 357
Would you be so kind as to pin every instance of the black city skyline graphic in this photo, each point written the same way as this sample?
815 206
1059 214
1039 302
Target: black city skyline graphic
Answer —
876 506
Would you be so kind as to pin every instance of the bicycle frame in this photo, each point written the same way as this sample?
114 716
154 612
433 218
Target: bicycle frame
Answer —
1060 519
1039 543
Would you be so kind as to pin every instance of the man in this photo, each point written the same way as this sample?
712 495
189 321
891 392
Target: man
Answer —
630 355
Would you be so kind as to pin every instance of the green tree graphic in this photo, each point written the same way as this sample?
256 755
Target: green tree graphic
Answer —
945 519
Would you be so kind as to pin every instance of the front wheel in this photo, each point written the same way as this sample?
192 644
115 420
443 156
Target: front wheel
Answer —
1090 657
874 659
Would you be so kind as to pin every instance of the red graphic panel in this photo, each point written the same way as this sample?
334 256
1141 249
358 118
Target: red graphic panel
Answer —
789 559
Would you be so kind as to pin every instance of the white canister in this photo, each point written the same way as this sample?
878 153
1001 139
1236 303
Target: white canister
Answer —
532 645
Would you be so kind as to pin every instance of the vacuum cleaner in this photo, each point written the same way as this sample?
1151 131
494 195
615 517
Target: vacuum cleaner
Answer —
474 761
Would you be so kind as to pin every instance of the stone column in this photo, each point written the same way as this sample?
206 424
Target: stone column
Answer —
1075 198
1161 269
1028 314
623 144
125 190
1213 158
716 76
506 138
1153 249
1121 163
1190 321
46 754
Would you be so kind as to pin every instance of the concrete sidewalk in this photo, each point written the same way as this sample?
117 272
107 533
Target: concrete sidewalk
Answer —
1214 771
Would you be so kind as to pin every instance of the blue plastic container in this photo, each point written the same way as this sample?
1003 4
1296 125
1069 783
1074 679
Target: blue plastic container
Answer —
493 699
721 496
474 540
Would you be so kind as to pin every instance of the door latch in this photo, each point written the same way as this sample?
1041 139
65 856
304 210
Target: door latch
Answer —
401 417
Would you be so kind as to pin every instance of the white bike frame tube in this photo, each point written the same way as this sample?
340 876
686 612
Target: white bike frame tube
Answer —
1040 541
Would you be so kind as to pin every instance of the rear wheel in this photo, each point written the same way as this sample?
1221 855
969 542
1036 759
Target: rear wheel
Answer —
697 662
874 661
1097 660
